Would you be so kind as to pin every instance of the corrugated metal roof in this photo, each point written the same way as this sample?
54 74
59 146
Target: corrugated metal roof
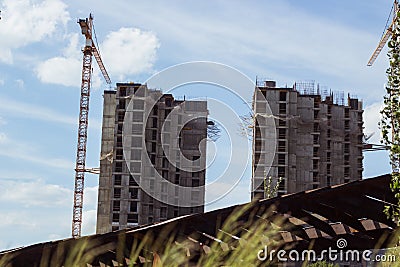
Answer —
353 211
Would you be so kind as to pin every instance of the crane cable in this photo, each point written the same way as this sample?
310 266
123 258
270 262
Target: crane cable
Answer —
387 21
97 44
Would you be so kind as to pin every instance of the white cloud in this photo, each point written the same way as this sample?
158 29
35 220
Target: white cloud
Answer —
23 226
371 118
238 194
73 48
89 215
129 51
35 193
48 207
90 197
89 222
267 45
60 70
2 122
40 113
33 225
28 21
54 236
25 152
19 175
14 219
65 69
3 138
20 83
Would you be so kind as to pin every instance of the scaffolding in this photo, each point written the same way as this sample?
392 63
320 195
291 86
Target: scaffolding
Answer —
338 98
306 87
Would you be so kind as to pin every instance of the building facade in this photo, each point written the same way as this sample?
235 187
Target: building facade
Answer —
152 164
318 139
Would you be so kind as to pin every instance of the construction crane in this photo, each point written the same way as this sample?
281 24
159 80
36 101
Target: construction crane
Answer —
386 33
88 51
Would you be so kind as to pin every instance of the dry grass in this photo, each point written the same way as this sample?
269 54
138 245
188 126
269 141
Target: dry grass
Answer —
169 248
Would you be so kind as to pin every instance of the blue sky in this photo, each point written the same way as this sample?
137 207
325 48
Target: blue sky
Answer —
40 63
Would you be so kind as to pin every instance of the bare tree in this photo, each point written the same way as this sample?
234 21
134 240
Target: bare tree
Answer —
213 130
247 125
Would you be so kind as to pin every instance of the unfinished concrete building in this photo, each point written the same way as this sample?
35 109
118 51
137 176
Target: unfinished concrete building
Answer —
318 138
149 145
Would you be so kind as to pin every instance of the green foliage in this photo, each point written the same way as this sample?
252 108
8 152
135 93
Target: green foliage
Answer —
271 190
390 121
254 234
392 255
169 248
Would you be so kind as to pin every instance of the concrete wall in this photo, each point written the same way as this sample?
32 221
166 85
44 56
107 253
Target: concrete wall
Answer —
133 131
319 143
106 157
